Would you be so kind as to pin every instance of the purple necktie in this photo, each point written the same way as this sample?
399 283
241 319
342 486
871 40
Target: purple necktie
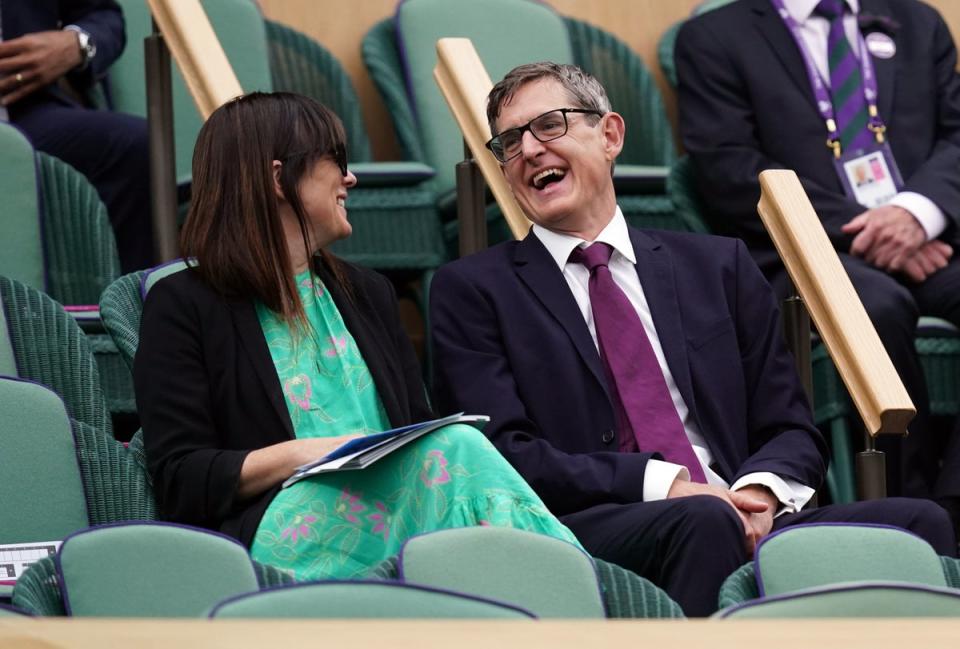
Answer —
632 365
846 83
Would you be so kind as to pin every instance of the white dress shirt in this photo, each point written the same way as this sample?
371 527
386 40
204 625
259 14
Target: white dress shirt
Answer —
815 30
659 475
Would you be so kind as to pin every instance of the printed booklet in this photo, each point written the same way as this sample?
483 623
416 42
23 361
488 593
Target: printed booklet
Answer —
362 452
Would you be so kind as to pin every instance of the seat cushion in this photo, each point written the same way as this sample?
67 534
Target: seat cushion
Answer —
43 498
856 599
150 570
362 599
21 247
809 556
545 575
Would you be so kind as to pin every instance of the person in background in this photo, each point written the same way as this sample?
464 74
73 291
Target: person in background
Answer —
51 53
862 99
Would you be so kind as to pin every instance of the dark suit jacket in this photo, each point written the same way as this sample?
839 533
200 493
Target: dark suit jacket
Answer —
102 19
208 391
746 105
510 342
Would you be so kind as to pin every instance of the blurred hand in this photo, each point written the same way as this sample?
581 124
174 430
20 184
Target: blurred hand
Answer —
746 502
886 236
758 524
39 58
928 259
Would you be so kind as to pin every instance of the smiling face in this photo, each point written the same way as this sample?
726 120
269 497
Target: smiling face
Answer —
323 194
565 184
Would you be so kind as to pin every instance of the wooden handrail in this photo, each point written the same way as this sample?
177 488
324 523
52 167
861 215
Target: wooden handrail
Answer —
836 310
464 82
197 51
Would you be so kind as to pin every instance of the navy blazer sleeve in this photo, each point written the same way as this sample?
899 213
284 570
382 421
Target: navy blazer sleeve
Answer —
103 20
473 374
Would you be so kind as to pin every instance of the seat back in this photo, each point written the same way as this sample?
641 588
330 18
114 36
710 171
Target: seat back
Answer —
43 497
547 576
150 570
21 250
632 91
853 600
49 348
300 64
506 33
242 34
362 599
12 611
668 40
80 249
810 556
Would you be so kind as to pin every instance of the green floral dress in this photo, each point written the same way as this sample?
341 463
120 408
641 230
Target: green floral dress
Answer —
338 525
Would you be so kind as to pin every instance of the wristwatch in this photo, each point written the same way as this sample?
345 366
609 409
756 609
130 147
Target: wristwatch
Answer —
88 48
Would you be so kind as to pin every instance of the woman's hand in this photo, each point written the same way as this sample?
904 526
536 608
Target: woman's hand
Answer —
265 467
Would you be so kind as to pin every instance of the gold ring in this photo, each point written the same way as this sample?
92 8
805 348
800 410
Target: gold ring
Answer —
19 77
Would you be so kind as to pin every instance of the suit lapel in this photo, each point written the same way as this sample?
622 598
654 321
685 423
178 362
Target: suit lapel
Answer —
537 269
885 69
777 35
255 345
655 269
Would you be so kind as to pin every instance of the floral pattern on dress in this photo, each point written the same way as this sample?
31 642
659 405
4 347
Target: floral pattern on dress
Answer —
339 525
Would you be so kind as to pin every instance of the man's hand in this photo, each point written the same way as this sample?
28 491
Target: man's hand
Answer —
746 502
886 236
35 60
758 524
928 259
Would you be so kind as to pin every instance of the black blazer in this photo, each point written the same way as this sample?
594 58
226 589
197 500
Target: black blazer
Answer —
510 342
746 105
208 392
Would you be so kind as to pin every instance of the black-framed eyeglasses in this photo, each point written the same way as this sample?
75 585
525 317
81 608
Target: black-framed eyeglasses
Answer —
546 127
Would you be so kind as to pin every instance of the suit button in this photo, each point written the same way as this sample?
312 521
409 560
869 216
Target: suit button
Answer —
607 436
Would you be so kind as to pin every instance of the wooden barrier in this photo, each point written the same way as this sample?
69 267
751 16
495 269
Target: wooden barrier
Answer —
836 310
464 82
197 51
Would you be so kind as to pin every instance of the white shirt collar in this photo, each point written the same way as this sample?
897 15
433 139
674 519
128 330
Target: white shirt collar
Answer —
801 10
561 245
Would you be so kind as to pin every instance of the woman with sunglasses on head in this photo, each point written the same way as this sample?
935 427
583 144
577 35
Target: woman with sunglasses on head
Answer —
268 352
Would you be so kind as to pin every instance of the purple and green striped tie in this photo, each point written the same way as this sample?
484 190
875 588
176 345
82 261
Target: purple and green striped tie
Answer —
846 82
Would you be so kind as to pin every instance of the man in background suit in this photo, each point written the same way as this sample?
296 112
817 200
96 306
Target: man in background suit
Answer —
51 52
747 103
637 379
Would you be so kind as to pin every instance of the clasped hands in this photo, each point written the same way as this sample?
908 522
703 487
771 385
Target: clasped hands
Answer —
32 61
890 238
754 504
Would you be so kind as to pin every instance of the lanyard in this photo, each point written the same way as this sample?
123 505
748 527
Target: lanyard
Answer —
824 103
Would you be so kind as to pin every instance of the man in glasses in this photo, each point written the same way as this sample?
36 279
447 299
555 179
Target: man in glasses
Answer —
637 379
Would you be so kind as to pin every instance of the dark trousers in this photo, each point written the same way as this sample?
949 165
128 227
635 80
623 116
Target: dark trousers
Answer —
111 150
688 546
893 305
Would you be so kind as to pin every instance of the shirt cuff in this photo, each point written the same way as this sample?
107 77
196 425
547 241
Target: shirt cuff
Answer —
658 477
793 495
931 218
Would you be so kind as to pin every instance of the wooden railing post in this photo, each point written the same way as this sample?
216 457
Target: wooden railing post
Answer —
841 321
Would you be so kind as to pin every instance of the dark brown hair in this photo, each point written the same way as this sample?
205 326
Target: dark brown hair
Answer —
233 228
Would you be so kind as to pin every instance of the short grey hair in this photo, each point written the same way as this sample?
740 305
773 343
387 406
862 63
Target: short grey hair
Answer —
584 90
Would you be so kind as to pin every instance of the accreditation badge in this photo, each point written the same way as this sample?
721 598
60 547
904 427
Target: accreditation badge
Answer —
869 177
